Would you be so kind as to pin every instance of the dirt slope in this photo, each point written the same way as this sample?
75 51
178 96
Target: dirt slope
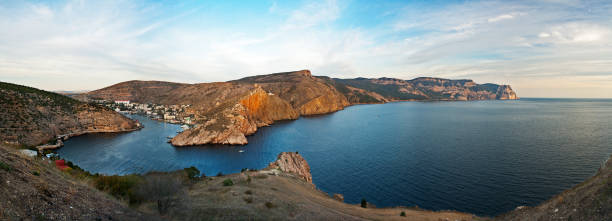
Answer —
52 194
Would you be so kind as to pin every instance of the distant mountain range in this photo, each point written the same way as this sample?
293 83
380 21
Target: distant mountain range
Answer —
228 111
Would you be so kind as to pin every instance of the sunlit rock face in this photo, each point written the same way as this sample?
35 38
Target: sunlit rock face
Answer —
292 162
232 124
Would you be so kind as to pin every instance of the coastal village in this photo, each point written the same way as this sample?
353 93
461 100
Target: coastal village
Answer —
175 114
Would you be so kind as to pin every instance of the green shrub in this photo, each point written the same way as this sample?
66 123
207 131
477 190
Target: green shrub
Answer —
270 205
248 199
118 186
248 192
192 172
228 182
248 179
35 173
403 213
5 166
364 203
219 174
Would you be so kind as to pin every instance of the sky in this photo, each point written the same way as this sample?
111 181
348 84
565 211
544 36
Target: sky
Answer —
543 48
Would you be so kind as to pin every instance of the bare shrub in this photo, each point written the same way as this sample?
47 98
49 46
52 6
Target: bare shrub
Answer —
161 189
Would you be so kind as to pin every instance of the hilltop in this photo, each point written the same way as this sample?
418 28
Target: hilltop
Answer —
227 112
29 116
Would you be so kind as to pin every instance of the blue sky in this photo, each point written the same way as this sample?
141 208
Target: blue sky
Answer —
543 48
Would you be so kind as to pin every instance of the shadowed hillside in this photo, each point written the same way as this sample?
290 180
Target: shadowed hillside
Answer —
29 116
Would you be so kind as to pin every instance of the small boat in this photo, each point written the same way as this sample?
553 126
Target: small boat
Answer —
169 137
240 151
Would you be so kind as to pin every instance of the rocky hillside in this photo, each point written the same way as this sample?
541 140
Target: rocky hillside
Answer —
227 112
29 116
307 94
229 122
33 189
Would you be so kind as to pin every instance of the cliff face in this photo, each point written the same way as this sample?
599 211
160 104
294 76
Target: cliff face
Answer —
233 120
308 94
291 162
227 112
424 88
29 116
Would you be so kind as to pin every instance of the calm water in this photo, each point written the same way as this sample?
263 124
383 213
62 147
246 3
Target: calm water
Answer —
484 157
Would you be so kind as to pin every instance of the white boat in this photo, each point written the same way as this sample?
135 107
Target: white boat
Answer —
240 151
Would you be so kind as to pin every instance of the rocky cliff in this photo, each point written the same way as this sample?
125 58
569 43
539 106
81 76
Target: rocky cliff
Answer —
291 162
307 94
380 90
227 112
29 116
234 119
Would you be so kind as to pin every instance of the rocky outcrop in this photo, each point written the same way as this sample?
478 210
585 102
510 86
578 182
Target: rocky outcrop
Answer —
505 92
29 116
291 162
234 120
307 94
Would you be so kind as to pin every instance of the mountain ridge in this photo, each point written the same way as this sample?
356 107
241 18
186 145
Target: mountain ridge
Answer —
221 108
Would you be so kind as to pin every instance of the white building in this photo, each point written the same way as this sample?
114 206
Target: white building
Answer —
169 117
122 102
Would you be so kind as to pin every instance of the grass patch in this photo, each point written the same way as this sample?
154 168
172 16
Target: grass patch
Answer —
261 176
5 167
228 182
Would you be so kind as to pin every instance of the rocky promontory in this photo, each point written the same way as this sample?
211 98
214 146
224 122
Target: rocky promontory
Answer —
235 119
294 163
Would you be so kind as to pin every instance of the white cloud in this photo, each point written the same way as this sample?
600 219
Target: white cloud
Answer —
91 44
500 17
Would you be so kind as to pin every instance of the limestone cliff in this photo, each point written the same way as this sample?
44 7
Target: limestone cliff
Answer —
310 95
29 116
380 90
294 163
233 120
